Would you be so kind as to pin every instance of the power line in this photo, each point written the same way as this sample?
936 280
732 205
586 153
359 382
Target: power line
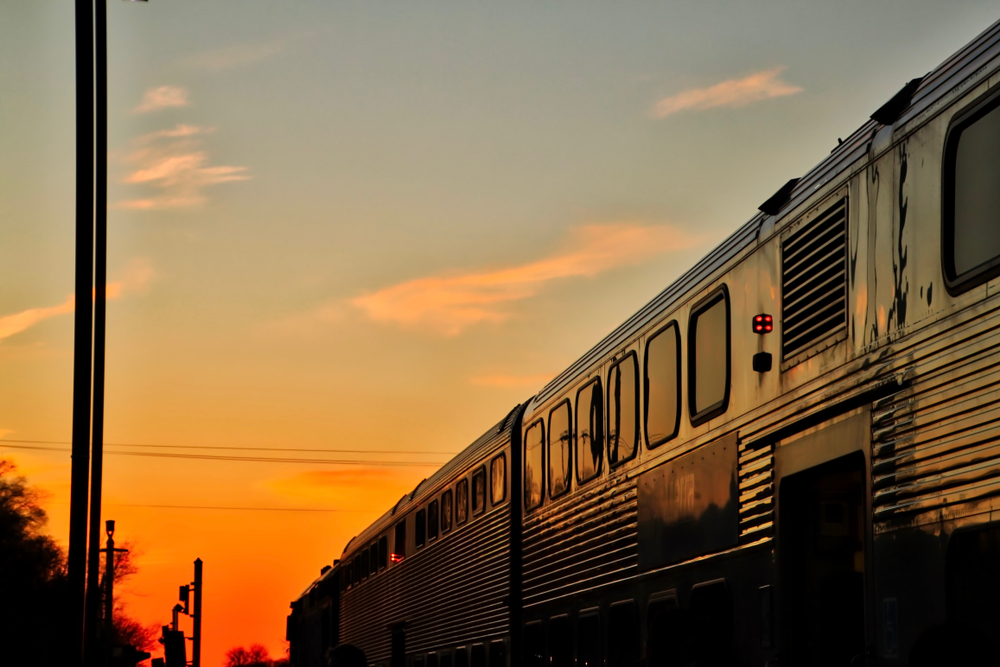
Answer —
258 449
244 459
219 507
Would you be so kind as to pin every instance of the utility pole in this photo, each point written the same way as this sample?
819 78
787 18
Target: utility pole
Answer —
196 644
82 326
109 588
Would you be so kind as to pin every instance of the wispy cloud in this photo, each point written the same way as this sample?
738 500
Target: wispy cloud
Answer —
732 93
163 97
504 381
450 304
174 162
136 278
233 56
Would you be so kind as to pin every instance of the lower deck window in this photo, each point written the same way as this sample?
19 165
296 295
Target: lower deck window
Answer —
588 634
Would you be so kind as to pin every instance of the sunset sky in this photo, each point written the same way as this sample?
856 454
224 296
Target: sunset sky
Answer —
374 227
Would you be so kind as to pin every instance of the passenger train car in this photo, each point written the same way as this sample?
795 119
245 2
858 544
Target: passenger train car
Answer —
788 457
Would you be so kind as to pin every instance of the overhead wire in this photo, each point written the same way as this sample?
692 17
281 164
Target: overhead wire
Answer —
225 447
242 459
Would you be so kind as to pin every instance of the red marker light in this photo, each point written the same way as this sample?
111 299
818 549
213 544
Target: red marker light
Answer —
763 323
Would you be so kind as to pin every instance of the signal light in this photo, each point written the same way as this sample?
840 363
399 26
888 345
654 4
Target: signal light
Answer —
396 558
763 324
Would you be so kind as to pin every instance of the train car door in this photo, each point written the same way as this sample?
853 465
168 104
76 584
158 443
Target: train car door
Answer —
824 543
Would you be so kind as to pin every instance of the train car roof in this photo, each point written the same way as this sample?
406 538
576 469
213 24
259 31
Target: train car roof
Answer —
923 93
475 452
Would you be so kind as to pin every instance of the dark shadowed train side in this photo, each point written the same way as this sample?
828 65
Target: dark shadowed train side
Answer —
790 456
430 582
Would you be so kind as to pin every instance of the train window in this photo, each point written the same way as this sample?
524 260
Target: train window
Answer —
447 500
534 644
972 580
479 490
373 564
534 459
444 658
420 528
461 657
559 443
383 552
498 479
589 431
478 655
432 520
708 357
560 642
663 385
462 501
623 635
399 543
588 640
418 661
664 630
356 569
366 564
498 653
971 197
347 576
623 410
432 660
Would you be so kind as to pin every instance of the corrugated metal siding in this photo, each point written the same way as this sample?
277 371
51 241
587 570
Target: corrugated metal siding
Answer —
449 593
938 442
589 540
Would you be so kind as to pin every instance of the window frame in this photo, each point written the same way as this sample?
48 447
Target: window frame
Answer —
481 473
607 409
373 563
420 528
716 409
569 447
397 548
645 385
502 456
576 432
540 422
383 552
957 284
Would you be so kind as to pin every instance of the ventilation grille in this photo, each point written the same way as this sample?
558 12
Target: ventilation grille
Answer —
814 281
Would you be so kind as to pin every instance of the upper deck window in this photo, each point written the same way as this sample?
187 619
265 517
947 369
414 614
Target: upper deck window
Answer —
663 385
972 197
399 540
534 459
479 490
383 552
462 501
589 430
420 534
365 564
447 500
559 443
623 410
498 479
432 520
708 357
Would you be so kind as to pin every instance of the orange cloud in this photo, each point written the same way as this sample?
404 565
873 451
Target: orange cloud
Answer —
450 304
173 162
536 380
162 97
136 277
733 93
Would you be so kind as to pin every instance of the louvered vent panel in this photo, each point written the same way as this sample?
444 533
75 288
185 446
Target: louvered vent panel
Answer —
814 281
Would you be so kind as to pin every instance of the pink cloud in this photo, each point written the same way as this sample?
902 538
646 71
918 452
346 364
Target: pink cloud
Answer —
502 380
449 304
173 162
732 93
163 97
136 278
